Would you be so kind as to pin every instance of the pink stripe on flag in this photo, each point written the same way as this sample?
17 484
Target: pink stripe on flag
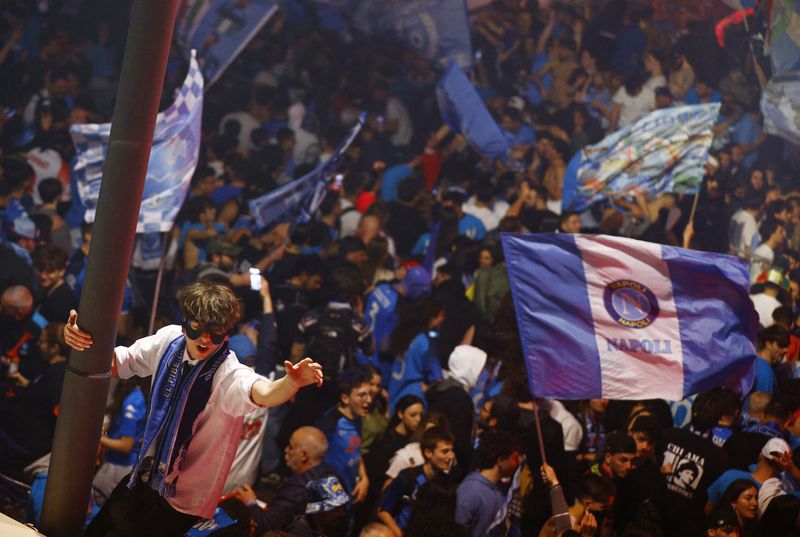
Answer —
640 351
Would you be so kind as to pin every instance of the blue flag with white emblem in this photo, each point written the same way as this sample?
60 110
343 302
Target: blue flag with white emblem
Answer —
173 157
220 29
665 151
464 112
298 201
437 30
611 317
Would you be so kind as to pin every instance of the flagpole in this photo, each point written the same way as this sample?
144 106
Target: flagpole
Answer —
157 293
539 431
694 207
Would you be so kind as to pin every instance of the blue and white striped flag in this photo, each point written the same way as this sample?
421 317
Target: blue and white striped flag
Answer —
173 157
609 317
299 200
665 151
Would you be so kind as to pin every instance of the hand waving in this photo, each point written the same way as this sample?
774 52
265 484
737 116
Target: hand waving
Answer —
304 372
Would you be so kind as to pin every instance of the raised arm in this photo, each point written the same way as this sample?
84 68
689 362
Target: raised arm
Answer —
272 394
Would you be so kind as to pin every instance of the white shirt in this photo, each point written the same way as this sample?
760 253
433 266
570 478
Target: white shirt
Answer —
634 108
765 305
740 232
218 427
248 456
658 81
489 217
348 222
248 123
573 432
396 110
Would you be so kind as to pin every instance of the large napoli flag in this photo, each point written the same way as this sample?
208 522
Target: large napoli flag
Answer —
617 318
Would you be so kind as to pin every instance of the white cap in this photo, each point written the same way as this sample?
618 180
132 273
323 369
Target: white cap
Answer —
775 445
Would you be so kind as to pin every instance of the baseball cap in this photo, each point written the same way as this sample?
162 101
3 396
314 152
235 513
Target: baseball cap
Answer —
24 227
619 442
773 447
721 516
417 282
222 247
242 346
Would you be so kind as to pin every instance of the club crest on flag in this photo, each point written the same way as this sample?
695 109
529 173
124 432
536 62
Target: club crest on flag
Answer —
631 304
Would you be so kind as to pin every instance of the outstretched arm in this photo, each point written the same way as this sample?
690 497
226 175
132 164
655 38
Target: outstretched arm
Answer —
271 394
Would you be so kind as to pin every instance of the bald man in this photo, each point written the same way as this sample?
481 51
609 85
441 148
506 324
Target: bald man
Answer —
376 529
313 499
18 333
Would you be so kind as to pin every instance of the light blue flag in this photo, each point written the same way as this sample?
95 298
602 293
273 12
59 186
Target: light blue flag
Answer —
665 151
299 200
173 157
464 112
435 29
780 104
220 29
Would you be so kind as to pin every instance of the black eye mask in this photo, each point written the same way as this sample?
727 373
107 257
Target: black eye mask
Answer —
194 333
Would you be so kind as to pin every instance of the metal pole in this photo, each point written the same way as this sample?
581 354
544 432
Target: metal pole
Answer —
88 373
161 265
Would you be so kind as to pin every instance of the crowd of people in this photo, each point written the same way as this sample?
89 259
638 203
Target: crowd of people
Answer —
424 424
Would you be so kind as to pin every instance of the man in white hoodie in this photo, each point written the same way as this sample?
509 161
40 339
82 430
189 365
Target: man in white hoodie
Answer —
451 397
307 148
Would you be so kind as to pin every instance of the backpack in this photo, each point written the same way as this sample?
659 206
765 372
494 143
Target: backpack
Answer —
333 341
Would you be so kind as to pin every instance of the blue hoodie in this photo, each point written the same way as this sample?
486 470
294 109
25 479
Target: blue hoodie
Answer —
419 364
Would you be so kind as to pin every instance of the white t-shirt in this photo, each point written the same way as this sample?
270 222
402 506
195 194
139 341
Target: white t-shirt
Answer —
248 456
658 81
248 123
395 110
573 432
634 108
348 222
765 305
489 217
740 232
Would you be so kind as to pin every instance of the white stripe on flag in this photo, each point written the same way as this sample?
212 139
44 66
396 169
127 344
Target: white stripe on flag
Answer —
635 363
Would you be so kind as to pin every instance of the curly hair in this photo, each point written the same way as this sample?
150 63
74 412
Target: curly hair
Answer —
209 303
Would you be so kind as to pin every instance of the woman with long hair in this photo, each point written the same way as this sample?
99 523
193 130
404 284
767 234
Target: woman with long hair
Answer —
413 344
742 495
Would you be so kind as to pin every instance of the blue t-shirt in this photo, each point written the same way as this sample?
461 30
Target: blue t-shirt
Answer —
392 177
381 314
717 489
747 131
129 422
720 435
693 98
400 495
344 445
419 364
472 227
765 377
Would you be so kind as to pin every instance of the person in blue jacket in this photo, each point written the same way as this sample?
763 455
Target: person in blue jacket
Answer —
383 304
413 344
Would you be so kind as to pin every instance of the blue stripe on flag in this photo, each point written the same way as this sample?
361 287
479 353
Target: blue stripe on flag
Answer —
565 361
716 319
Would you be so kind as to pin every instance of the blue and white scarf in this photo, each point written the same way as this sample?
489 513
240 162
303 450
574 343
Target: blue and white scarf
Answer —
176 400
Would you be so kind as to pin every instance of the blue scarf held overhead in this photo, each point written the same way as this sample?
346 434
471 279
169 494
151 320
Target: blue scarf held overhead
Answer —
177 398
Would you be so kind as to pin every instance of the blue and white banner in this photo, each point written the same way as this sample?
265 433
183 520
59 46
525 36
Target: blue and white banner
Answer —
665 151
298 201
435 29
173 157
780 104
464 112
220 29
609 317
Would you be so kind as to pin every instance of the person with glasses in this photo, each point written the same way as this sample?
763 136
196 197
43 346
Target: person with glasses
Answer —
199 396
